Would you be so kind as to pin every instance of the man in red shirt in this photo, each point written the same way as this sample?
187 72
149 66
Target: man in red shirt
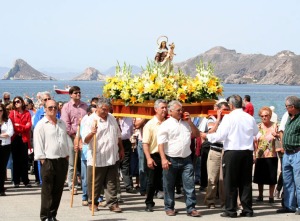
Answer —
248 108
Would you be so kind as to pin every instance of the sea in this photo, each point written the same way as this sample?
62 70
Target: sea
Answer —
261 95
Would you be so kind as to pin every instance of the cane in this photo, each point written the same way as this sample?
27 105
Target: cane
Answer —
94 171
75 163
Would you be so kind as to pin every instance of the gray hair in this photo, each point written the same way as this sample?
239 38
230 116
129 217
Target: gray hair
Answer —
235 100
172 104
6 93
158 102
44 94
293 100
103 101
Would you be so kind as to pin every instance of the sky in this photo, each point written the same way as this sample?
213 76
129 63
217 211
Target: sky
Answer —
71 35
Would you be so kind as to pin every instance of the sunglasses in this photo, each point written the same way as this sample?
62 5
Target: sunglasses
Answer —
78 92
1 110
47 99
6 98
17 102
52 107
264 115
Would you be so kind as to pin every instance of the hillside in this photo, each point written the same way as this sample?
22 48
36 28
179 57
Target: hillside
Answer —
237 68
90 74
23 71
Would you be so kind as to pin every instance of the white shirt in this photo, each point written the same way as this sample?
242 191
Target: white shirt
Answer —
283 121
176 137
237 130
108 133
51 141
126 125
7 128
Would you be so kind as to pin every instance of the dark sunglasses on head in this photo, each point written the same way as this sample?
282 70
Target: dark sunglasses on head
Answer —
52 107
78 92
47 99
17 102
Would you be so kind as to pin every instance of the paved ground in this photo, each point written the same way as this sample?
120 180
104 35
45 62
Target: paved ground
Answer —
24 204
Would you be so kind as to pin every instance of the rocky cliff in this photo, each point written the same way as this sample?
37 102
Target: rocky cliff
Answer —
90 74
237 68
23 71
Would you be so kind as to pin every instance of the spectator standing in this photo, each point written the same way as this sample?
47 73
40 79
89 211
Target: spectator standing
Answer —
266 162
126 125
280 152
174 140
71 113
6 132
21 120
84 149
139 125
51 147
6 98
237 130
248 105
291 157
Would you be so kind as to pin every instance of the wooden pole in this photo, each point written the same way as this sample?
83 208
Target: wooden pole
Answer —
94 171
75 163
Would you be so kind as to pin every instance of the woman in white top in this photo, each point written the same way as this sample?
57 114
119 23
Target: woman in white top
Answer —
6 131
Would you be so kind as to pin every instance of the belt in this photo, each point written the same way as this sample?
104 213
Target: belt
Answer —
216 149
292 151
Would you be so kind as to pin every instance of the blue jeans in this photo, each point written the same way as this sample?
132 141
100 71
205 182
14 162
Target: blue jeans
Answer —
291 180
179 167
142 172
84 185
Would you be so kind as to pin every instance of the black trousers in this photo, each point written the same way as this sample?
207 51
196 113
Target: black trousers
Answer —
203 167
237 172
4 156
154 179
54 173
19 151
125 165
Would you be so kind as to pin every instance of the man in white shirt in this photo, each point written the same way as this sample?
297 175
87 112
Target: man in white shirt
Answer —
51 147
109 150
174 140
237 130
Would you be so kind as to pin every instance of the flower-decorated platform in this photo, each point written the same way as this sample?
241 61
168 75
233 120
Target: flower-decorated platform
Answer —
146 109
134 95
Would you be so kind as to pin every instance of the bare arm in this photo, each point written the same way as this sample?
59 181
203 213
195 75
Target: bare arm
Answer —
150 162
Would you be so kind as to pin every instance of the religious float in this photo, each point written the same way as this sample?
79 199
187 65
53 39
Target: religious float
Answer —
134 95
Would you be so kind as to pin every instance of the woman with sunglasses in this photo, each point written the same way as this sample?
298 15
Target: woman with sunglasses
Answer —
266 161
21 120
6 131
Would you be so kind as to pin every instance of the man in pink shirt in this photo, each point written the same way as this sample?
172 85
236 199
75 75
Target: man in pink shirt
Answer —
71 113
248 108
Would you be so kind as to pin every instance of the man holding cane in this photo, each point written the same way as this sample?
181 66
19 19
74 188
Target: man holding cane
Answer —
109 149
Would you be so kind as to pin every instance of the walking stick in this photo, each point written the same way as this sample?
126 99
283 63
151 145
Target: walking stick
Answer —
75 163
94 171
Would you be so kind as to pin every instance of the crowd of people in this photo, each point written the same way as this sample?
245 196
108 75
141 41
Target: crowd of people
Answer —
168 155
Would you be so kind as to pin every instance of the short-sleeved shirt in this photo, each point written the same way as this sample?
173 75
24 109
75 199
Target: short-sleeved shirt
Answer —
107 137
150 134
176 137
291 135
